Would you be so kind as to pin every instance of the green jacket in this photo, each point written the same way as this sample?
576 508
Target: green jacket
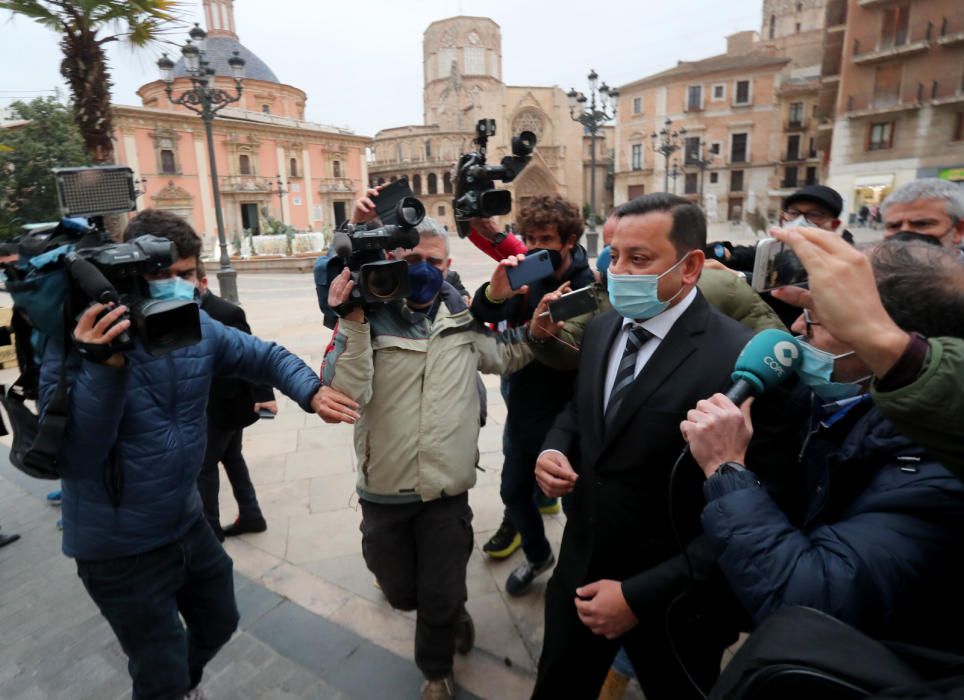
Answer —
930 410
415 382
724 290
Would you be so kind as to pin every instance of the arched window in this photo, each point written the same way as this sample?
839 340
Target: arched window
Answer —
168 165
244 164
336 168
293 163
432 183
417 184
447 183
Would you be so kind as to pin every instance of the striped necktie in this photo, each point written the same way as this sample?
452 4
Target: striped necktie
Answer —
627 369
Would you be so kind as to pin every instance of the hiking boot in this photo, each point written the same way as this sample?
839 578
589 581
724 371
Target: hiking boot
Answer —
548 506
241 527
464 633
441 689
504 542
521 579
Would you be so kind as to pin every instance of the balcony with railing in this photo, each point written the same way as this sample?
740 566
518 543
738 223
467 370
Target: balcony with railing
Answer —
230 184
909 98
903 43
951 31
947 92
836 15
798 124
336 184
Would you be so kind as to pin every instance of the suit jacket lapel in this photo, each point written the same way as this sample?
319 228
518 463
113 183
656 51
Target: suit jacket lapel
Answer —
672 352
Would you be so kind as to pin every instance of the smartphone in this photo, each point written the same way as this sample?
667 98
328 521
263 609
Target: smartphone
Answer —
572 304
388 199
775 266
531 269
265 414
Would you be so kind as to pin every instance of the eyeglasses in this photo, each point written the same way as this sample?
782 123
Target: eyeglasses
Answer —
813 216
809 323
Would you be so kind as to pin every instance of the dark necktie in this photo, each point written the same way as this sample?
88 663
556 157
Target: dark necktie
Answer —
627 369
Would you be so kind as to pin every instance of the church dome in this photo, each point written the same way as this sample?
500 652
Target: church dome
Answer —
219 49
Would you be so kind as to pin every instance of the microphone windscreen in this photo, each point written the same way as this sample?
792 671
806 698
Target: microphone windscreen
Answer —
768 359
341 244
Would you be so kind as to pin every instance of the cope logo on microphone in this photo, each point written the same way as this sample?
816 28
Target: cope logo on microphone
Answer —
785 353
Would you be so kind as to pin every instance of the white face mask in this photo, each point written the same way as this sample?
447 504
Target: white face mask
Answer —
799 221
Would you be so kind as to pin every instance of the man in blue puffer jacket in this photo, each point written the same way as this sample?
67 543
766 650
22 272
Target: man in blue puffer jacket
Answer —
875 543
132 451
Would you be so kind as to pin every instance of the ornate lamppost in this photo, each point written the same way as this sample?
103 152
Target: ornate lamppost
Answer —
702 160
206 100
592 117
666 143
675 172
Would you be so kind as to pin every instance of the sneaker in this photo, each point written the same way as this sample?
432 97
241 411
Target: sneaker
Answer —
240 527
524 574
196 694
464 633
54 498
504 542
441 689
548 506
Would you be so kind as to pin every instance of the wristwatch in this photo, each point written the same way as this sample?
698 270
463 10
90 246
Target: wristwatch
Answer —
730 468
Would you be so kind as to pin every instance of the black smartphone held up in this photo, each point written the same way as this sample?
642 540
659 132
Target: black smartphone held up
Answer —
572 304
531 269
388 198
775 266
265 414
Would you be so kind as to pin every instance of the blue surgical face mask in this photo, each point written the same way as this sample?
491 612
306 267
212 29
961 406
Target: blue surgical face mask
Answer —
816 371
425 280
172 289
636 297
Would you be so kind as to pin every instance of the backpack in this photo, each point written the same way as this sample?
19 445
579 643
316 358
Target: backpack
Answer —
41 311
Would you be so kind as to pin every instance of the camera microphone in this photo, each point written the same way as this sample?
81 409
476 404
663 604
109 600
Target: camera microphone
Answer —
768 359
341 244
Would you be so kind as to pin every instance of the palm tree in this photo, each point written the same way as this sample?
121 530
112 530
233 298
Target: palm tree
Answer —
86 26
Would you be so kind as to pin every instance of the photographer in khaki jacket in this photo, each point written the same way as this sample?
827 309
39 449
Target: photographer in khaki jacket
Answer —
411 366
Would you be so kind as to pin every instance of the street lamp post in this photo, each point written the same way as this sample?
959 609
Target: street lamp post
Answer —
666 143
206 100
675 173
592 118
701 160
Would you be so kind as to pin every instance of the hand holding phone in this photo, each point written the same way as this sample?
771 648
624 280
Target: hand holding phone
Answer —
531 269
573 304
775 266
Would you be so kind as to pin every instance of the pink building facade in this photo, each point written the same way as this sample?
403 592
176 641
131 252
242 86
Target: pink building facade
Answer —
271 163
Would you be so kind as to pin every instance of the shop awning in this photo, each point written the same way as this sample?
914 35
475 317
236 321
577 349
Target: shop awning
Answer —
874 181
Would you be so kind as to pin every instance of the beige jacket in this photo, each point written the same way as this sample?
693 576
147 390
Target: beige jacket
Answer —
416 383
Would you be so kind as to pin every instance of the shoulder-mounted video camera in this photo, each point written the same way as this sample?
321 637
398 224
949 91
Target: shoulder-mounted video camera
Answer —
362 250
476 195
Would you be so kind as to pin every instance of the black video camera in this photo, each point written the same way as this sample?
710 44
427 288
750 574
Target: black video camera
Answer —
475 193
363 252
114 273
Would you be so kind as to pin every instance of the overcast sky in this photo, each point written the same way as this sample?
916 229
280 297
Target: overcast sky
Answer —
361 62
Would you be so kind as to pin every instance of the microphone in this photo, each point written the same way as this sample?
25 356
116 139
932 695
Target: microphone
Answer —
341 244
768 359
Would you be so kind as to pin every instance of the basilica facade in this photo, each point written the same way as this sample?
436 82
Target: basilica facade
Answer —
462 63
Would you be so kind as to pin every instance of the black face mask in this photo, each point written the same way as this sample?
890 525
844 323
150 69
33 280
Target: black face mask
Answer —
913 236
555 257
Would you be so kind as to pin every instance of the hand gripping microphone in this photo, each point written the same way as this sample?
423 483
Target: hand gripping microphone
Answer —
767 360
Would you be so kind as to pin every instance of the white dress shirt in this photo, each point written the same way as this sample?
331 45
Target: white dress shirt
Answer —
659 325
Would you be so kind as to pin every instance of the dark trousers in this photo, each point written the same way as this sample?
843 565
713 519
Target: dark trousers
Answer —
419 552
224 446
141 597
517 489
575 661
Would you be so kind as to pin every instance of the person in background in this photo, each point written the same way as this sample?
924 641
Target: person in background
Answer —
928 209
234 404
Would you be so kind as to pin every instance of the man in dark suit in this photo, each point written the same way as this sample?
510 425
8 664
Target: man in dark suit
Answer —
232 406
642 367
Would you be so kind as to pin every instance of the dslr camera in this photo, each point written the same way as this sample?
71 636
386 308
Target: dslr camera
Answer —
476 195
114 273
362 250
